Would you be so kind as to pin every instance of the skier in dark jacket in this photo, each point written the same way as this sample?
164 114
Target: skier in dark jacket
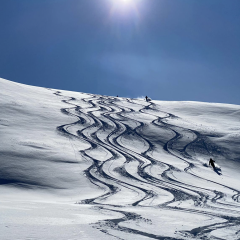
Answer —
211 162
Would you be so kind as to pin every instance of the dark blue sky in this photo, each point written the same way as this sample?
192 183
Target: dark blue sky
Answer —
166 49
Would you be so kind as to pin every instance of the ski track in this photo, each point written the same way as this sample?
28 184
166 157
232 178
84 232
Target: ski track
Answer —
117 167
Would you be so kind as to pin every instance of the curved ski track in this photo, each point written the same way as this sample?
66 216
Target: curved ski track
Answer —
116 133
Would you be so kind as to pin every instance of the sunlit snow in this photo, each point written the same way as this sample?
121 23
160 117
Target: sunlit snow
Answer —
85 166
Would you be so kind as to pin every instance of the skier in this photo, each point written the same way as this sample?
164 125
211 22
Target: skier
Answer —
211 162
146 98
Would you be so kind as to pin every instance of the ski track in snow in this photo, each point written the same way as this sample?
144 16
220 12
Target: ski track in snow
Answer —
130 178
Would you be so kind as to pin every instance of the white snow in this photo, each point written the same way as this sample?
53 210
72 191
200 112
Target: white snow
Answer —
85 166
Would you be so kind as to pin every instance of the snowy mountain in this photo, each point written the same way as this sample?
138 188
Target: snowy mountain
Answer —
84 166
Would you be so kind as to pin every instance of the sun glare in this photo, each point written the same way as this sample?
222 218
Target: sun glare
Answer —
123 3
127 11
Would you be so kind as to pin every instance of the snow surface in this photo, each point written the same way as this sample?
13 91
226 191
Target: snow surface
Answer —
84 166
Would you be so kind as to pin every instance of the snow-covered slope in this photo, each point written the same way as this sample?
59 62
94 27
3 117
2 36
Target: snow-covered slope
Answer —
84 166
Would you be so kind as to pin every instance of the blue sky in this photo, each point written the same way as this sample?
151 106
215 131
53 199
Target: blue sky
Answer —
166 49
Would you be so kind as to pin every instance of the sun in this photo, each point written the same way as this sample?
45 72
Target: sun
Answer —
125 9
123 2
126 1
